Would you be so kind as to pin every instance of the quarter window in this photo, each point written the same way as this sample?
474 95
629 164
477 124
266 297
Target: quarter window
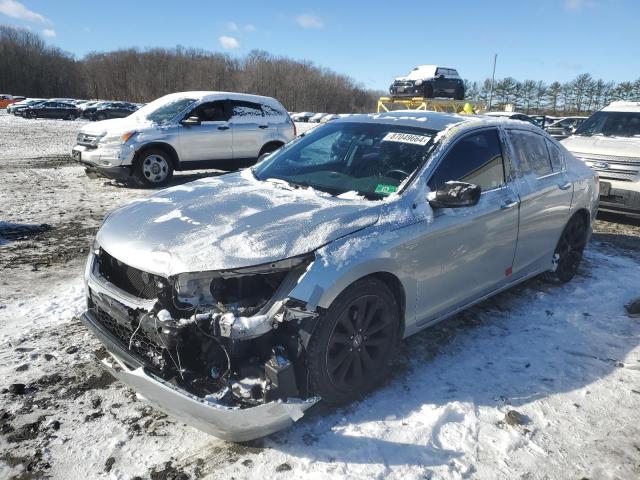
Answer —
531 152
557 162
271 112
476 158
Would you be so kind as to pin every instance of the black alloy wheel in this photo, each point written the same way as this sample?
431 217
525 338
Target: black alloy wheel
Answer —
568 253
349 351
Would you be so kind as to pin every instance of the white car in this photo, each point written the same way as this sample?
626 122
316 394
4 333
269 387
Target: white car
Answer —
184 131
317 117
328 118
302 116
609 142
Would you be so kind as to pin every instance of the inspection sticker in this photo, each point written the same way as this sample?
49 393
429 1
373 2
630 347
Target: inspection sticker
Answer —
385 189
406 138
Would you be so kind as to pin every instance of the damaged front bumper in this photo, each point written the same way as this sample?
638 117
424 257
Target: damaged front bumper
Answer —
228 423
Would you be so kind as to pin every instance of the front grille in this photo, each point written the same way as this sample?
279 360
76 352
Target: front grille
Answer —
87 140
403 84
142 346
133 281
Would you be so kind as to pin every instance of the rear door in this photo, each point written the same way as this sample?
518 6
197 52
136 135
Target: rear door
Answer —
212 139
468 252
250 129
545 196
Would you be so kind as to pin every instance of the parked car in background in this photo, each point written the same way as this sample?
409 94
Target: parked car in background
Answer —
609 142
565 127
184 131
302 116
429 81
317 117
6 100
15 108
108 110
51 109
293 281
329 117
88 109
512 116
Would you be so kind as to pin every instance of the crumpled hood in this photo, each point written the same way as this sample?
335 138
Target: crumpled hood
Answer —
115 126
582 146
228 222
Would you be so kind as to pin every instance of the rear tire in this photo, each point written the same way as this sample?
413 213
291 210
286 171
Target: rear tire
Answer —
459 95
153 168
568 252
353 341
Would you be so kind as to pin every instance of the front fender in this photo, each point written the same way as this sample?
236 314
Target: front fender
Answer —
343 262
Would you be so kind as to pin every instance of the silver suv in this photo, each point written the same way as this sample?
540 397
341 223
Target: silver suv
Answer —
184 131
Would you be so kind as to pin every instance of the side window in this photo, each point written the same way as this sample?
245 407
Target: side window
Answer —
210 112
476 158
271 112
531 152
557 162
241 110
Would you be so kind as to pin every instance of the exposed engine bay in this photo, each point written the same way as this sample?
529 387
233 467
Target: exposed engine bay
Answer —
230 337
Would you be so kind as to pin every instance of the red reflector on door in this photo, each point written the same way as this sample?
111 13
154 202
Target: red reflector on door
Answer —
508 271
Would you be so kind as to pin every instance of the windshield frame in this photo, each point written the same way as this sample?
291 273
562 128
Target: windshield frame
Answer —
429 149
587 123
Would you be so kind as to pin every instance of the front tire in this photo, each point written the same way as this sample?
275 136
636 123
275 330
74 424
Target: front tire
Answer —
153 168
568 252
353 341
428 91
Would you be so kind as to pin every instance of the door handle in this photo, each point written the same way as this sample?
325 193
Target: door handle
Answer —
263 126
565 186
508 204
223 127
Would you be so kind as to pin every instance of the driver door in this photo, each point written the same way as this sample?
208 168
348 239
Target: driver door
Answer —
210 140
468 252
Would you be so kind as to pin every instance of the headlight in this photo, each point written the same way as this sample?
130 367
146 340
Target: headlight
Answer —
117 139
207 287
418 82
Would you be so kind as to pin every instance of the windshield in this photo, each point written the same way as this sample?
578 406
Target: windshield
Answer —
611 124
370 159
162 112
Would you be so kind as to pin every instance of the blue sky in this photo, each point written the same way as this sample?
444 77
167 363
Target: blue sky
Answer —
372 41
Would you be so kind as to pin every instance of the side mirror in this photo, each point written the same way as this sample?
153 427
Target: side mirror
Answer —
455 195
190 122
441 75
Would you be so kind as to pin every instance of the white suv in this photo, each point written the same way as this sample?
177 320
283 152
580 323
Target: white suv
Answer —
184 131
609 142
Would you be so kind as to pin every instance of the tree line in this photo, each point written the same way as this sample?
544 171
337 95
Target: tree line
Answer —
582 95
32 68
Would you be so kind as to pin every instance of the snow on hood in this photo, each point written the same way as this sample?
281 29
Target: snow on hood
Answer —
597 144
228 222
115 126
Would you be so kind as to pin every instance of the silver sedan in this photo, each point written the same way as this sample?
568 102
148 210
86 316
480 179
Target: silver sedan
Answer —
235 303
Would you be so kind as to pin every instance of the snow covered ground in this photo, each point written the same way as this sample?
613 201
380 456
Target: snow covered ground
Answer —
566 359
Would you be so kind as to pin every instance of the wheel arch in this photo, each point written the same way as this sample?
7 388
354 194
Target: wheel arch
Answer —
165 147
271 143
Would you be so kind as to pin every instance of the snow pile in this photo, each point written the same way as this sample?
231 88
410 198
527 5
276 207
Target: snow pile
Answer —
566 359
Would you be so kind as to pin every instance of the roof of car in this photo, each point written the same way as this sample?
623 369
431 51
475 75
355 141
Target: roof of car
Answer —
435 120
622 106
214 95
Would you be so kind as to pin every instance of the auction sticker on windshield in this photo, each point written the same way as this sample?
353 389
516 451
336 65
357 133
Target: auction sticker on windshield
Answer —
406 138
